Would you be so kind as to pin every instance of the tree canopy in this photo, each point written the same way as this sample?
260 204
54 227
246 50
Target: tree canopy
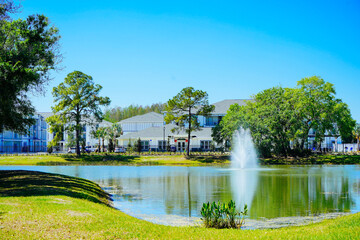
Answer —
117 114
280 119
185 107
29 50
77 102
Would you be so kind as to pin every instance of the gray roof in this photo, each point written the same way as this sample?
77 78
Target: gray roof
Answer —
158 132
223 106
145 118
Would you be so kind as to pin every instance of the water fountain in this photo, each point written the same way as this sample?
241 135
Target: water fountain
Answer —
244 167
243 154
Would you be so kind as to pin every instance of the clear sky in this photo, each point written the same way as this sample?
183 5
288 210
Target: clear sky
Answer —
143 52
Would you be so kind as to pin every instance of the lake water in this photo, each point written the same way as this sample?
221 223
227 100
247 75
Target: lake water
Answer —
164 193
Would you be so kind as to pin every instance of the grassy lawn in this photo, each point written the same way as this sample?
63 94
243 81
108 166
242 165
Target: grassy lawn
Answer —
175 160
37 205
112 159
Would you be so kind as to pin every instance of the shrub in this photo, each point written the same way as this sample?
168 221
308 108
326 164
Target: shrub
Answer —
222 215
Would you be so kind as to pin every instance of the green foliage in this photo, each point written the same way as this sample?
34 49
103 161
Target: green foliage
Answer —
356 134
70 141
130 147
28 52
117 114
185 107
101 133
280 118
111 133
138 145
222 215
77 103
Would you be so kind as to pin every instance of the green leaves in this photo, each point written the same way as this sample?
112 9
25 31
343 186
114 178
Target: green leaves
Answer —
280 118
28 52
77 102
184 108
222 215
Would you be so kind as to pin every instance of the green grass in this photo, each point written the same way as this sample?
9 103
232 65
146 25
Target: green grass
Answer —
32 214
200 159
314 160
112 159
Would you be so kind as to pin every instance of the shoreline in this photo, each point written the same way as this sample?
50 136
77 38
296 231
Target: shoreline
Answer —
167 160
58 207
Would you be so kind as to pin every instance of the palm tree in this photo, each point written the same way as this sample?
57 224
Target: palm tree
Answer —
102 136
96 134
116 132
113 132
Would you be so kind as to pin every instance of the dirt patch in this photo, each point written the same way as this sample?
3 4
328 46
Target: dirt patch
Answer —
61 201
78 214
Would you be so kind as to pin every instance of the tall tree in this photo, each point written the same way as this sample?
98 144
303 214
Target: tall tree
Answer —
77 103
28 52
319 110
184 109
113 132
280 119
356 133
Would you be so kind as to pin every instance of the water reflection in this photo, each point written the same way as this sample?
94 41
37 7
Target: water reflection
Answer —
269 192
244 185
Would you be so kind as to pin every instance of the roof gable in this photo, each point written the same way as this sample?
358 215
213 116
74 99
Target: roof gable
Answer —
223 106
145 118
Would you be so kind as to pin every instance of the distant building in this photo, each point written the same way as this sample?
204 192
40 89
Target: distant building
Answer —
156 135
141 122
34 141
86 134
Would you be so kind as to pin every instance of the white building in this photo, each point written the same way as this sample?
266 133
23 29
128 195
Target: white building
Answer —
34 141
86 133
141 122
155 135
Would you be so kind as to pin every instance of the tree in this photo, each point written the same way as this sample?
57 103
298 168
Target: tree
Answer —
102 136
28 52
130 147
117 114
77 102
184 108
96 134
70 141
280 119
356 133
138 145
6 7
319 110
113 132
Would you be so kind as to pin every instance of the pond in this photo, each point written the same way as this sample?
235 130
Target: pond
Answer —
163 193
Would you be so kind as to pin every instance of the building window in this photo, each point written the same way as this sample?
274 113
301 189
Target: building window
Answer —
162 145
205 145
212 121
144 145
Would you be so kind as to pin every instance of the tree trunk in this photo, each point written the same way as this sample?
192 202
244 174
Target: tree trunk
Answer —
103 145
77 133
99 145
189 134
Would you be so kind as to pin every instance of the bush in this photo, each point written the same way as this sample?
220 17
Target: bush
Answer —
222 215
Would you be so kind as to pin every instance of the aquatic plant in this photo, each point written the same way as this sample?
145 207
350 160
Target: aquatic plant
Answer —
223 215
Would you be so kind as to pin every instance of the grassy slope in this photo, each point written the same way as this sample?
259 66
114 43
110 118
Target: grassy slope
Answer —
61 216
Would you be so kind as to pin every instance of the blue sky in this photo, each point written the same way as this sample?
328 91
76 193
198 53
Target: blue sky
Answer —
143 52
